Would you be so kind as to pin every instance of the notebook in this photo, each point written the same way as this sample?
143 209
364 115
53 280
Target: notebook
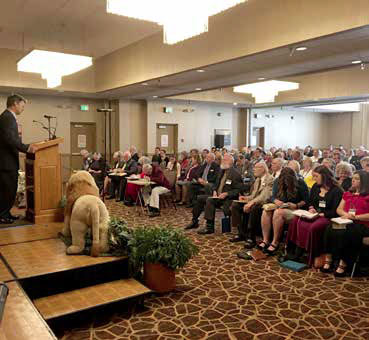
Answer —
305 214
340 223
292 265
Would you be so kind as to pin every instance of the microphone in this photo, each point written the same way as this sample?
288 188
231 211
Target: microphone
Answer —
48 117
104 110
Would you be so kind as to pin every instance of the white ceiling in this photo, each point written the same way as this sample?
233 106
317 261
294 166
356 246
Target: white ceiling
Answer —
70 26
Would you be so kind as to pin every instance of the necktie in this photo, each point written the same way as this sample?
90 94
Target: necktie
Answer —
222 182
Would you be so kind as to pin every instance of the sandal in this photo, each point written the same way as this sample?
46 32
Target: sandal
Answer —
260 247
341 274
327 269
272 251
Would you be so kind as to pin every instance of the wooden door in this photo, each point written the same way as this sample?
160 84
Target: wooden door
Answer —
83 136
261 137
167 137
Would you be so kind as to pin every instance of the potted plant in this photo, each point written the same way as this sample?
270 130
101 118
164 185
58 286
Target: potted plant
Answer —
160 251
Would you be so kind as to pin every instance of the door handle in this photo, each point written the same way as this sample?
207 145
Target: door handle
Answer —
76 154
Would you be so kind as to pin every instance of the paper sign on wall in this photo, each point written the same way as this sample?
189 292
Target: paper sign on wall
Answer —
82 141
164 141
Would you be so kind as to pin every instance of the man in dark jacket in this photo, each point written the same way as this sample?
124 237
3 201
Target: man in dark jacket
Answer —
207 176
226 189
129 168
10 146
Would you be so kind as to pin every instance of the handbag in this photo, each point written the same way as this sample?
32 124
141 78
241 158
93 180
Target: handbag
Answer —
226 225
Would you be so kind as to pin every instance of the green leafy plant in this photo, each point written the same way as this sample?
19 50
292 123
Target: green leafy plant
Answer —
63 202
165 245
119 235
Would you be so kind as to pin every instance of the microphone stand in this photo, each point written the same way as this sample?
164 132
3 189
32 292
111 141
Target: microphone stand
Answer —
49 126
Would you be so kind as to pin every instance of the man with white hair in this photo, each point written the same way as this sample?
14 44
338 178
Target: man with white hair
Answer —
246 216
86 159
162 186
130 168
276 167
207 176
134 153
226 189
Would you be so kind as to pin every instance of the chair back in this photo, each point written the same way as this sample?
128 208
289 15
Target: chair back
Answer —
171 176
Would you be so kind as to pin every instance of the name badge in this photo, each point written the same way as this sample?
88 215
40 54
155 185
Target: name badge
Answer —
322 204
228 182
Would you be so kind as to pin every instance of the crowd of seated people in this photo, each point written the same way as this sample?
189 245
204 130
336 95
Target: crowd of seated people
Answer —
259 191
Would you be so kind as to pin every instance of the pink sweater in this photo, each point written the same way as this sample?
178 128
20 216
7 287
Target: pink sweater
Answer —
358 202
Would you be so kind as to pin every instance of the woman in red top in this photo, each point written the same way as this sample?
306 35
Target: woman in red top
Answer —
344 244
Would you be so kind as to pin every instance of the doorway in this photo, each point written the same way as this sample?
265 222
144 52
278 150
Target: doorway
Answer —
258 137
82 136
167 137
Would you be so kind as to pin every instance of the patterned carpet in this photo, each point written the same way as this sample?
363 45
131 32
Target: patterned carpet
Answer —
221 297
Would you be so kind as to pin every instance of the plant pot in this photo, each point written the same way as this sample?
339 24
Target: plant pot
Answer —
159 278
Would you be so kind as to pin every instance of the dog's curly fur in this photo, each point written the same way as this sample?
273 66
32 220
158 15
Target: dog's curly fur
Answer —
85 210
81 183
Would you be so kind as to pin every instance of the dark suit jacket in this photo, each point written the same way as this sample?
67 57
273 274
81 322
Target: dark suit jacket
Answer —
212 174
135 157
131 167
233 183
10 143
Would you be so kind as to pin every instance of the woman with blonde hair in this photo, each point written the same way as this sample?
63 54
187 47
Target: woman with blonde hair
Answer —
344 175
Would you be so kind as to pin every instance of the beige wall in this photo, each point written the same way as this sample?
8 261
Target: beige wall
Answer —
195 128
307 128
133 124
257 25
338 128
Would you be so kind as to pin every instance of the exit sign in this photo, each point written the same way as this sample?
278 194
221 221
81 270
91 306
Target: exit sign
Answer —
84 107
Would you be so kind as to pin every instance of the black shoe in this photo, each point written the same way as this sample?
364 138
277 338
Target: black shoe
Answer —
12 217
189 206
6 221
273 251
236 239
250 244
154 213
342 274
110 197
128 203
193 225
206 231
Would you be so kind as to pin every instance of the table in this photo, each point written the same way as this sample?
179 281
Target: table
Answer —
142 183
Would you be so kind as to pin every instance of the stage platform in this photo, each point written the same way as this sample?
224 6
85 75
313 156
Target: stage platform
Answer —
52 284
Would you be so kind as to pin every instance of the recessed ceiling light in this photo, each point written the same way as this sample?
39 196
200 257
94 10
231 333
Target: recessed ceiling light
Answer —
235 104
356 62
155 96
200 71
144 84
301 48
198 89
261 78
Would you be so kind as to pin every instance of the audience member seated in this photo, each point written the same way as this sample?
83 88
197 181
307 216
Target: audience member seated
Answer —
86 160
344 175
174 166
156 159
345 244
134 153
204 153
155 174
325 154
185 164
307 172
132 189
182 186
207 176
218 158
306 234
355 159
111 182
226 189
246 216
329 163
276 167
316 155
97 169
129 168
164 159
364 162
289 193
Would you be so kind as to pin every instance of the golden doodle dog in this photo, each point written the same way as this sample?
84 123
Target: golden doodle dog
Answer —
85 210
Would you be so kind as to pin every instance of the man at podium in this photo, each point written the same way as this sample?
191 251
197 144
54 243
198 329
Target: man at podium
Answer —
10 146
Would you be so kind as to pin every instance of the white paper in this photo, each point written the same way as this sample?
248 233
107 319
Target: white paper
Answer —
82 141
164 141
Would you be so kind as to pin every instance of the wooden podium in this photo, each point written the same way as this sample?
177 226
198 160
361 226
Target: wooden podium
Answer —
43 182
